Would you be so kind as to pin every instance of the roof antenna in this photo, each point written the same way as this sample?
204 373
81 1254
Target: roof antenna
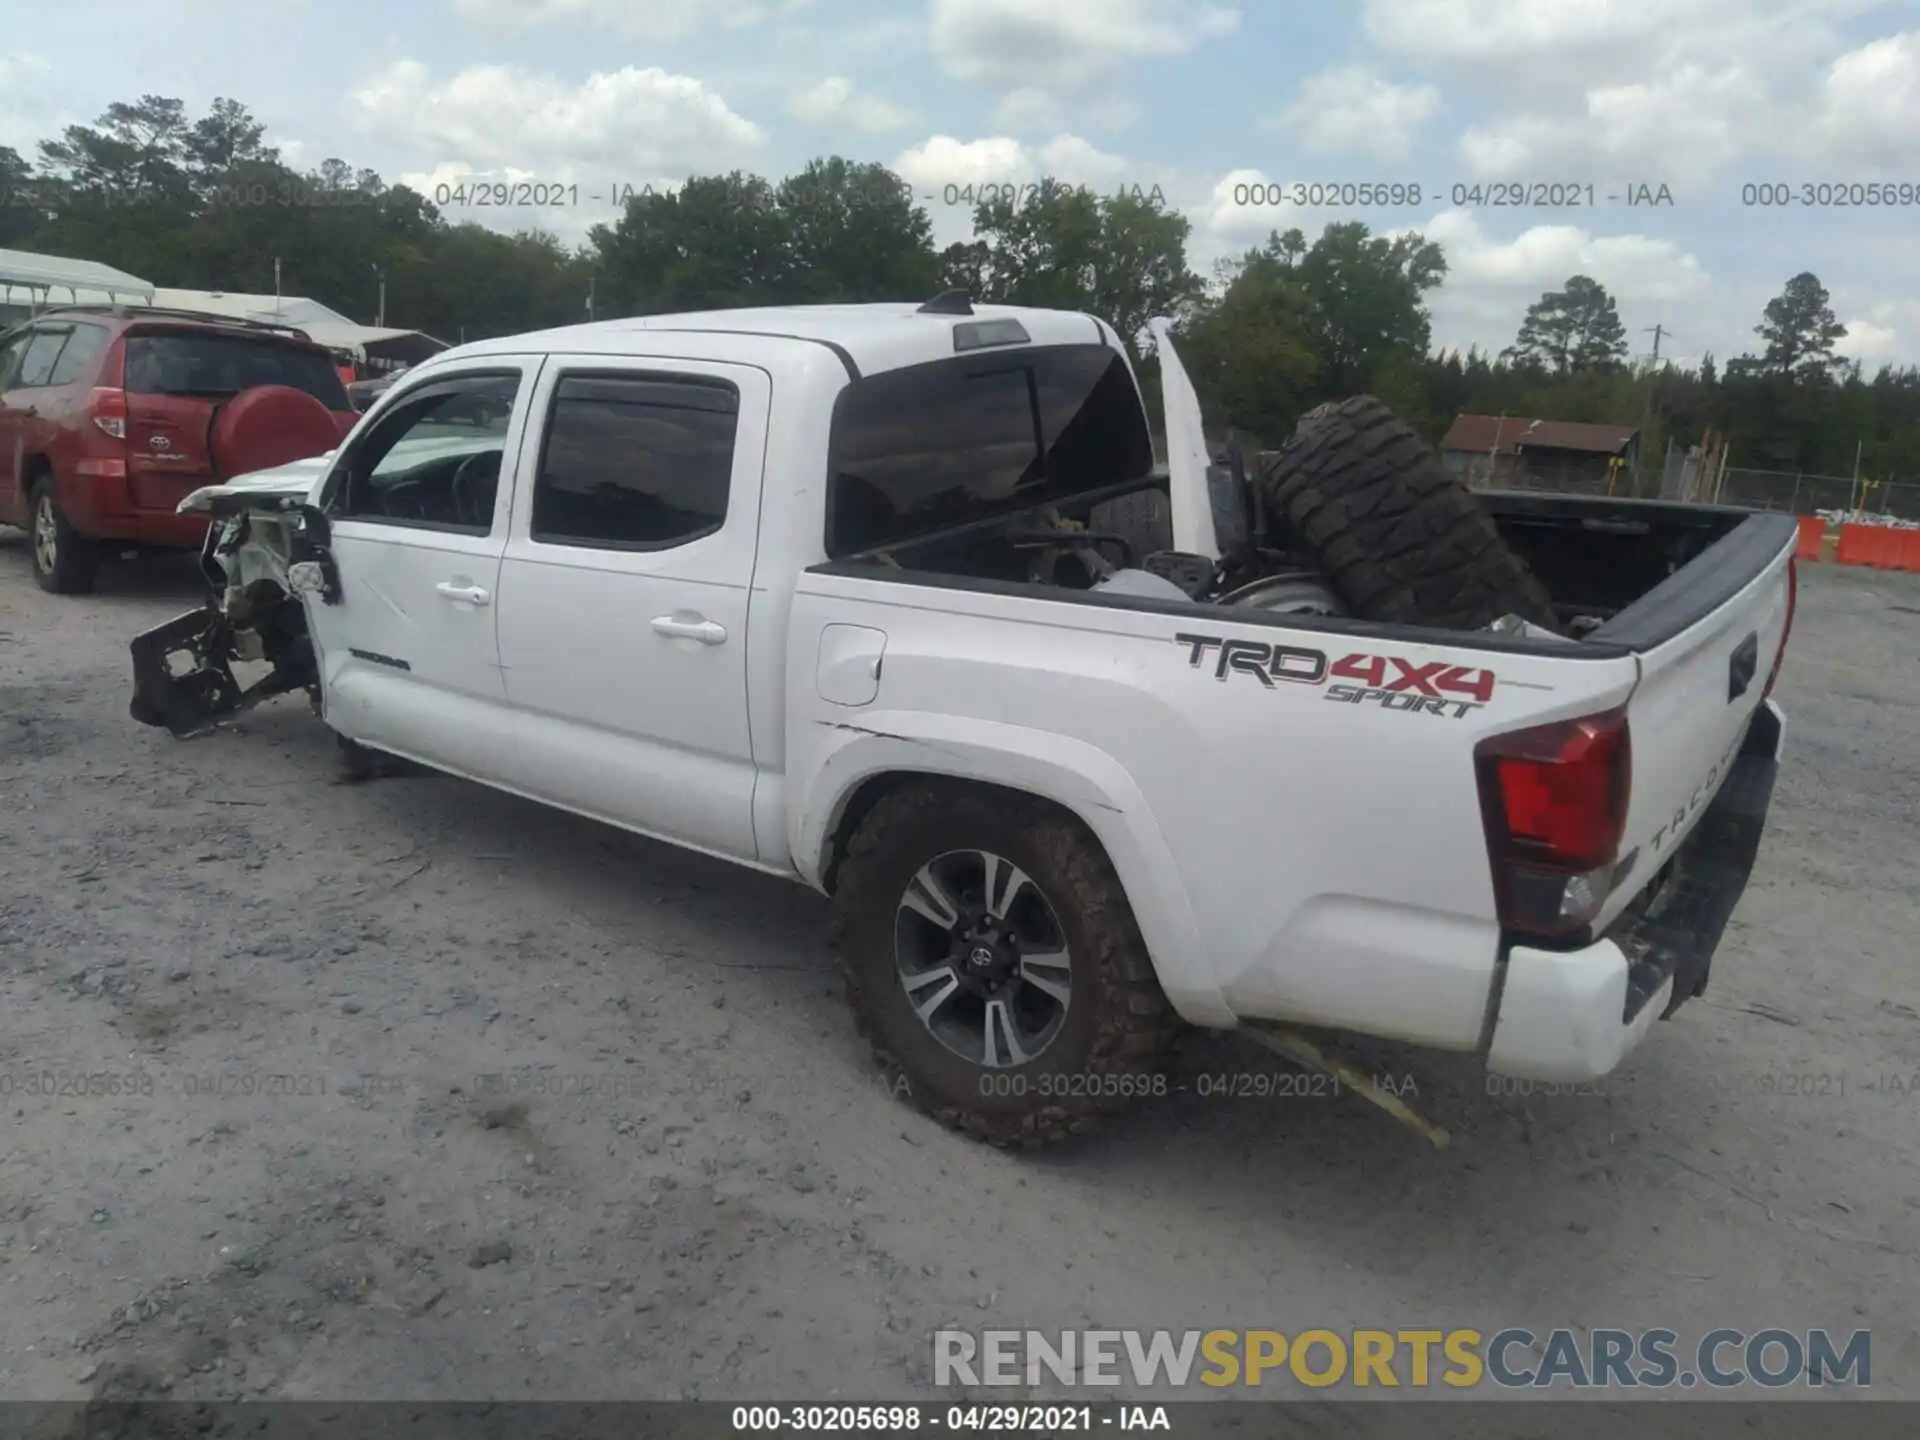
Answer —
948 302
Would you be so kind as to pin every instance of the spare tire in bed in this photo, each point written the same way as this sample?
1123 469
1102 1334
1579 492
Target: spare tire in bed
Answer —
1144 519
1397 538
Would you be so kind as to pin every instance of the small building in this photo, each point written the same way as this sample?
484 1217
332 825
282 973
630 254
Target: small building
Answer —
1512 452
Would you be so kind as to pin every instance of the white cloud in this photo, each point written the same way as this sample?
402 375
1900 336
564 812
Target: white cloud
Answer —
27 96
1871 343
456 174
1353 109
943 160
1234 217
1026 110
642 19
949 176
628 123
1602 42
834 101
1674 90
1079 162
1055 45
1683 126
1031 111
1002 160
1632 267
1490 282
1869 105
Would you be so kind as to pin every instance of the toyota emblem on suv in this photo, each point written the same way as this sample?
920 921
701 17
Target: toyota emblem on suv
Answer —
160 442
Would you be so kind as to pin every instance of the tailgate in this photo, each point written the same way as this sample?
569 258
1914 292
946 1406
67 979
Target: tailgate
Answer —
166 448
1707 641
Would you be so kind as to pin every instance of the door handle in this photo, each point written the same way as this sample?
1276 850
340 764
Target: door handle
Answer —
705 631
470 594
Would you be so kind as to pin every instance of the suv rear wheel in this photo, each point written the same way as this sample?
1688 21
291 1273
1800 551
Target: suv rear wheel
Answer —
995 965
65 562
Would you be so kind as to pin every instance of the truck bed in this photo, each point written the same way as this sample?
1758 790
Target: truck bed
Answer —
1623 574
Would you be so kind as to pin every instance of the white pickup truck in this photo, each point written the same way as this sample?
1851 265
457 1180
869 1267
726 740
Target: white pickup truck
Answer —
815 590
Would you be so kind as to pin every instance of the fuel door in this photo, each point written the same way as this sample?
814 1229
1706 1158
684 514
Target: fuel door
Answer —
848 672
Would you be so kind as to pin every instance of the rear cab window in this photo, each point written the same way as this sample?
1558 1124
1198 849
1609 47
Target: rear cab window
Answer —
213 365
931 447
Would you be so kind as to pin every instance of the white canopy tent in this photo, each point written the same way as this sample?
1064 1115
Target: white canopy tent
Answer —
32 282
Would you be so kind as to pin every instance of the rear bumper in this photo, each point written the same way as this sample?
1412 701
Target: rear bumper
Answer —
1574 1014
104 507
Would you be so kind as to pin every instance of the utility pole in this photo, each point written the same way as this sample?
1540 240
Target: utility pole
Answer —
380 315
590 298
1659 332
276 285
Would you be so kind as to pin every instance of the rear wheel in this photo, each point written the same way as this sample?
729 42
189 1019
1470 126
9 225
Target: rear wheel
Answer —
1397 537
995 965
65 562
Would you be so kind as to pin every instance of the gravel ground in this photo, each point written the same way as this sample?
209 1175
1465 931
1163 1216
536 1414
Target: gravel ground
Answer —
438 1094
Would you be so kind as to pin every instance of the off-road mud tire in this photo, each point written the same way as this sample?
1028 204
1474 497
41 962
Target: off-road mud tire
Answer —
1143 519
1119 1026
1398 538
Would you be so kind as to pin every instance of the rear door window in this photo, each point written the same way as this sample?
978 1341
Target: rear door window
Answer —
635 462
929 447
42 353
82 349
214 366
11 349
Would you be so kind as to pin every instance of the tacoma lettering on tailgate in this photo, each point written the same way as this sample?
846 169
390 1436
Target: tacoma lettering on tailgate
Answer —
1391 682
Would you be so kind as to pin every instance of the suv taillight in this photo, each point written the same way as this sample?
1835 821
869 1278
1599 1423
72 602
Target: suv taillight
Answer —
1793 600
107 408
1554 802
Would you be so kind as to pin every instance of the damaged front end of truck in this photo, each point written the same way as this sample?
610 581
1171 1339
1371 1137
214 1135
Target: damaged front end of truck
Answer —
266 550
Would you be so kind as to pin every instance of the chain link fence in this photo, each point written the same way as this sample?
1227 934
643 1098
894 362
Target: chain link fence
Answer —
1801 494
1689 479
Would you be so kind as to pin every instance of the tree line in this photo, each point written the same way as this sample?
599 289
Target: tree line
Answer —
204 203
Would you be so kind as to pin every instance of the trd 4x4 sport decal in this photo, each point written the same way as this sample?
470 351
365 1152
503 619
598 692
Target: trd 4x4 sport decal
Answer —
1389 681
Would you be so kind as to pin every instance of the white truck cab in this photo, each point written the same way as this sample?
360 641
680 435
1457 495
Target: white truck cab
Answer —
783 586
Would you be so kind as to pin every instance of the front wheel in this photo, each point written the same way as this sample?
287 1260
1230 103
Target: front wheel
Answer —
65 562
995 965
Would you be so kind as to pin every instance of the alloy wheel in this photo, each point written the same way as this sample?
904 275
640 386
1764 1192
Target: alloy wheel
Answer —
983 958
46 535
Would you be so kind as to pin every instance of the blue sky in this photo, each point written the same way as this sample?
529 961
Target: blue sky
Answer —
1198 97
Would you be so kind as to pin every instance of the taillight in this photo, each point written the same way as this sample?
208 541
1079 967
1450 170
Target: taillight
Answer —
1554 802
107 408
1793 600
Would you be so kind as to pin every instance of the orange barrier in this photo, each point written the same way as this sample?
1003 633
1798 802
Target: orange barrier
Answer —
1881 546
1813 534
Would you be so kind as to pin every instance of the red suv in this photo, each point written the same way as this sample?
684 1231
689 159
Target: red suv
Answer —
111 416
